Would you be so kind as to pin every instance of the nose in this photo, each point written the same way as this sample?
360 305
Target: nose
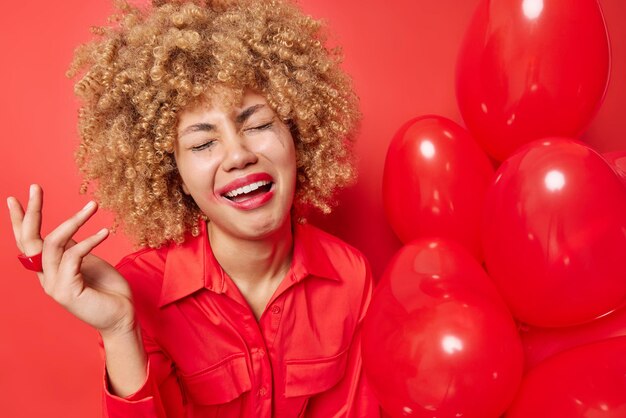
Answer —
238 154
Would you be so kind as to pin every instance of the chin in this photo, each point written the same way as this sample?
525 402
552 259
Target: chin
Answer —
264 228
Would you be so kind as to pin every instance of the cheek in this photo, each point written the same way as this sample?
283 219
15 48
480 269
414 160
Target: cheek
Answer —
284 159
197 175
281 150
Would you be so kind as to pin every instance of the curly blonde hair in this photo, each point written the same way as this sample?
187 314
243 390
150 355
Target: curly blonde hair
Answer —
153 62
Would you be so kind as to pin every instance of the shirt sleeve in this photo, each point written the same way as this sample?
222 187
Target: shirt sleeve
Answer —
352 397
159 396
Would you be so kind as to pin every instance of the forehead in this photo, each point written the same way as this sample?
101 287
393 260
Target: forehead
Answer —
220 101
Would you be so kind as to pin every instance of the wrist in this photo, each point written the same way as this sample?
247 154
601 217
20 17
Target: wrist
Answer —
122 324
121 331
127 343
126 361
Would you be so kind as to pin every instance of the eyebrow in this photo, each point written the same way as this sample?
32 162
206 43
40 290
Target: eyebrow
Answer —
208 127
247 112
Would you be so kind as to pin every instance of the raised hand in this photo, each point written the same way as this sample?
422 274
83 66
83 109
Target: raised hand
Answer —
87 286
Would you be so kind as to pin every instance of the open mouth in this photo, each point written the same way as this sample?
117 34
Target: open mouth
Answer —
249 191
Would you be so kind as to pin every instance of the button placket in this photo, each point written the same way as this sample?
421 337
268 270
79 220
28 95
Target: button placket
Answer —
271 319
261 368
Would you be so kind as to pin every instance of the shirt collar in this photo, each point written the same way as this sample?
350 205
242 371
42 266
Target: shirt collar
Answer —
191 266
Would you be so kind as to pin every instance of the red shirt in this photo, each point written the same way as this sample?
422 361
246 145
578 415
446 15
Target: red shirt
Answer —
208 356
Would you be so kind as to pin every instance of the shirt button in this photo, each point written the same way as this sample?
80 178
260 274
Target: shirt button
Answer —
258 351
275 309
262 391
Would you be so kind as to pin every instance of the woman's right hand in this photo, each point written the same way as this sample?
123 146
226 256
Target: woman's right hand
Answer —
87 286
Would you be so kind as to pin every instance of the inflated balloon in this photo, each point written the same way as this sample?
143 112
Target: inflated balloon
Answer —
434 182
528 69
554 234
584 382
438 340
541 343
617 160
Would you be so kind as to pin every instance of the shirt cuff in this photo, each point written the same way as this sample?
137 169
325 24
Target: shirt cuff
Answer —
141 404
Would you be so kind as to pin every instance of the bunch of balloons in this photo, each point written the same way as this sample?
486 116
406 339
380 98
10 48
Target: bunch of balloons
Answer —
509 296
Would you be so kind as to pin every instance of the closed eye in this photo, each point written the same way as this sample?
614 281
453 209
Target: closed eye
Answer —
202 146
261 127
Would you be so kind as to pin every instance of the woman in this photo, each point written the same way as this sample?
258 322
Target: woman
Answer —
209 128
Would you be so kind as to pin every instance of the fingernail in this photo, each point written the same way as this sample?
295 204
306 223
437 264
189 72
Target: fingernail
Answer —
103 231
31 191
9 204
89 205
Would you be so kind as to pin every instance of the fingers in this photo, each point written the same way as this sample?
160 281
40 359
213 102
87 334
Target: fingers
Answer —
27 231
68 283
27 226
55 243
31 224
16 214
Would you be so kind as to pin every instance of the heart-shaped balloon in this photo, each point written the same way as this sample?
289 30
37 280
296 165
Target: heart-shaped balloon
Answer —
434 182
528 69
554 234
438 341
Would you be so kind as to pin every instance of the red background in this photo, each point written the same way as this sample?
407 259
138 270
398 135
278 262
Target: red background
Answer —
401 56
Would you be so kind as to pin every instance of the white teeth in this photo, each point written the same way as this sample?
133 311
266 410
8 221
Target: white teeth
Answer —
246 189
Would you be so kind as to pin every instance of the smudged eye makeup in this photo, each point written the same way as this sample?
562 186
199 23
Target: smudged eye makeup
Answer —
202 146
261 127
210 143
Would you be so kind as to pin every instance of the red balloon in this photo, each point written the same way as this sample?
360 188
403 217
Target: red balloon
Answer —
584 382
438 340
554 234
541 343
528 69
434 182
617 160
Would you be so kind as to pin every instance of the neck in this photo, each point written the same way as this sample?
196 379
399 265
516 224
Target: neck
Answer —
266 259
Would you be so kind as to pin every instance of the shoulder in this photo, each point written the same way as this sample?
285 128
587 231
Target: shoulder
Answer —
352 284
143 270
144 262
349 263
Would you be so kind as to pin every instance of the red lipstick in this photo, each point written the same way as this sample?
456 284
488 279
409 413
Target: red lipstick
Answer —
244 181
245 193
